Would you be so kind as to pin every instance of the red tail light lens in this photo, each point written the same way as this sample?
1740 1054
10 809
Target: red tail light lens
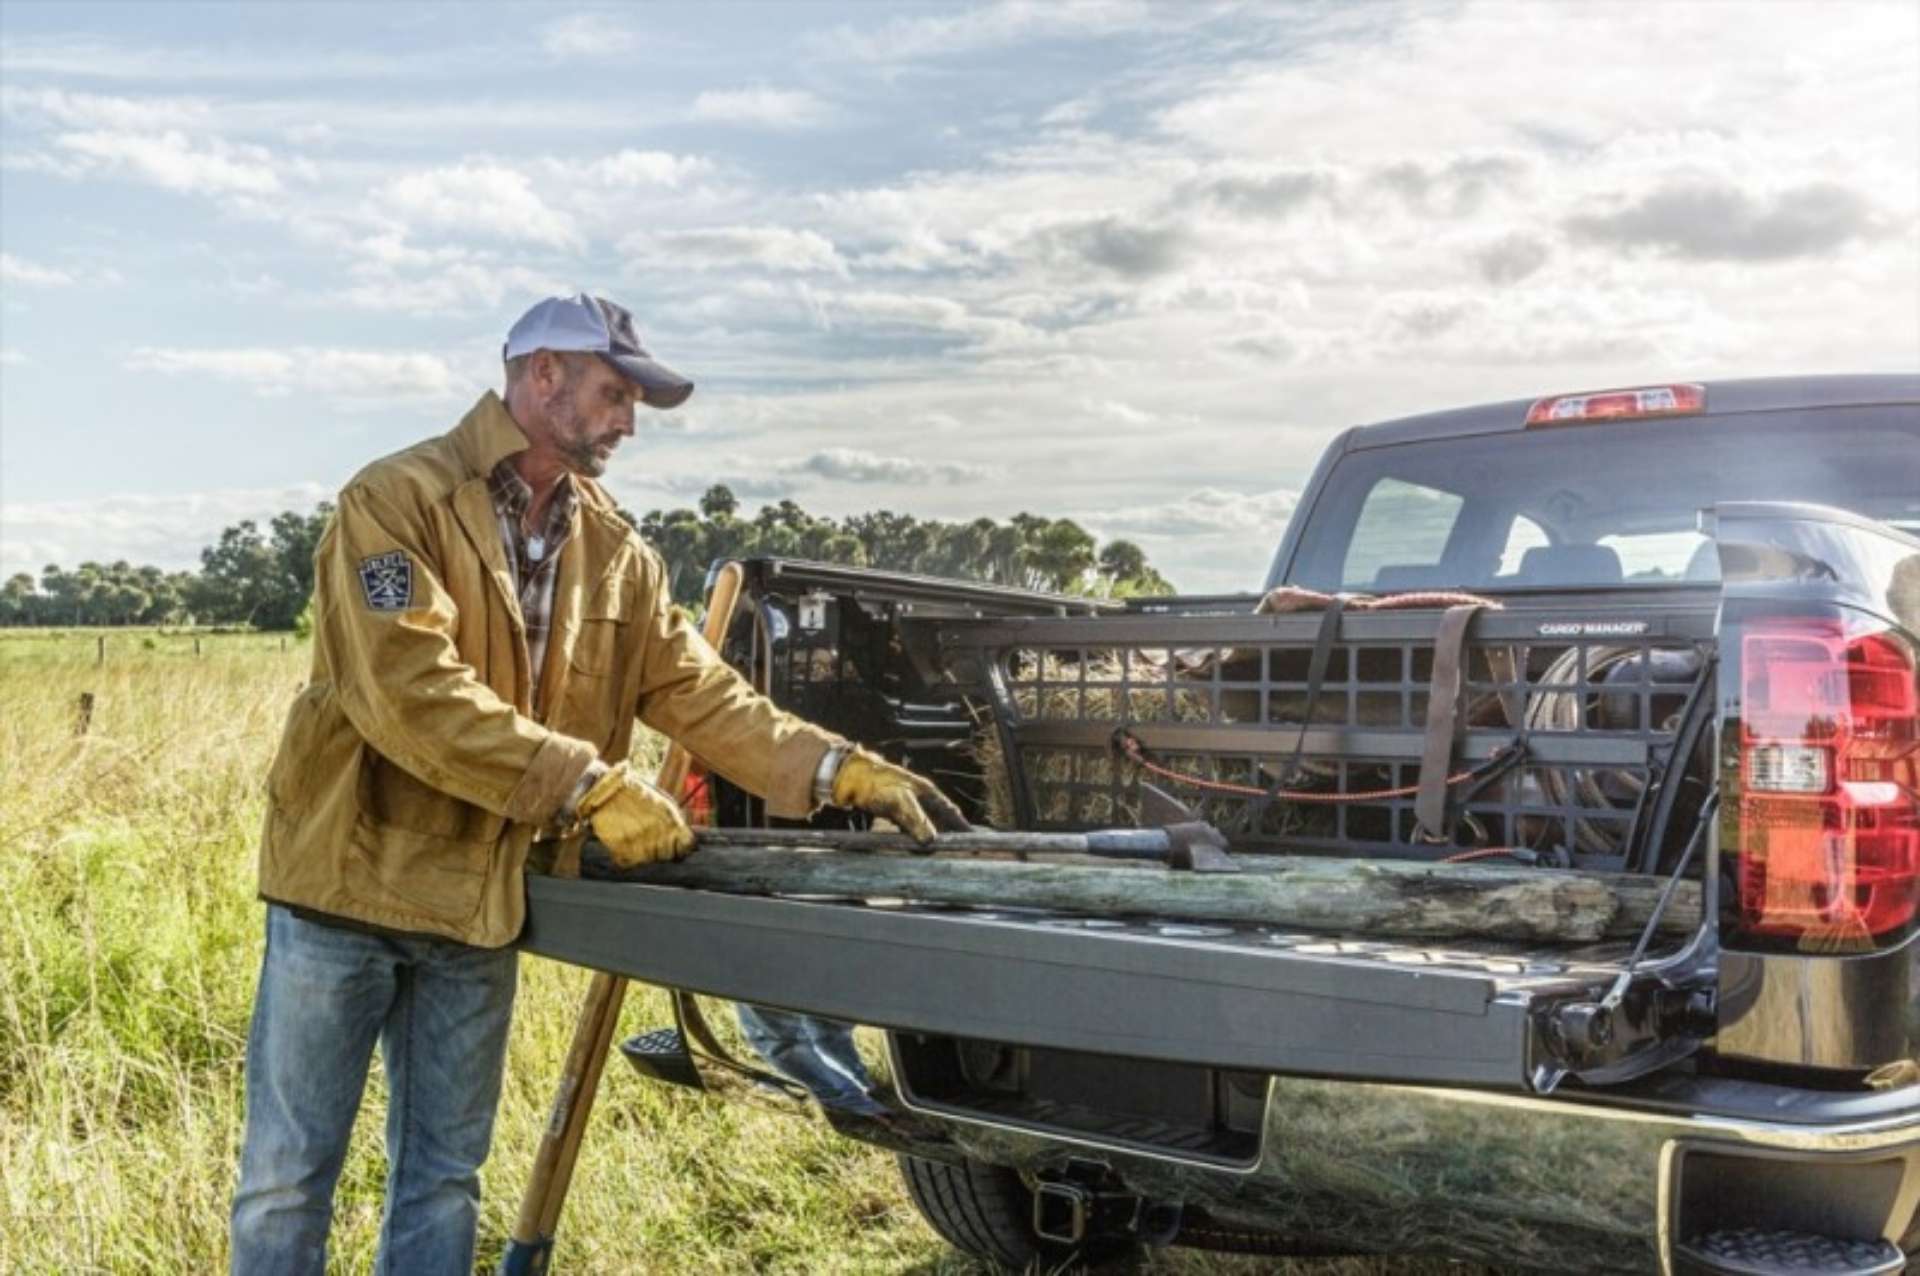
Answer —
1829 812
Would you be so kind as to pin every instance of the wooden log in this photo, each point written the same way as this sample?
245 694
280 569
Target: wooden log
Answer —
1384 898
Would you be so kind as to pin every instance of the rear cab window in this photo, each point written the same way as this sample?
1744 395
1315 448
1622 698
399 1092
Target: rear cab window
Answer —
1593 505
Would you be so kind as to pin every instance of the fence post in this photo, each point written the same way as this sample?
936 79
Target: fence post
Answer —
100 650
85 719
196 644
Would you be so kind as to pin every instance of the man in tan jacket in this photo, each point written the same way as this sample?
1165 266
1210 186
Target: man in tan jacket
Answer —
486 630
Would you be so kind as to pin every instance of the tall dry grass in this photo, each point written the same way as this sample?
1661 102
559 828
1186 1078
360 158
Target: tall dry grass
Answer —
130 941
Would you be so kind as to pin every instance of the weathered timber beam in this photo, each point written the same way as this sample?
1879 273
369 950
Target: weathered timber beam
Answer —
1385 898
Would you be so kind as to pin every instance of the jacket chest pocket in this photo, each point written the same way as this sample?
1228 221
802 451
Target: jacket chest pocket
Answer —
607 632
595 702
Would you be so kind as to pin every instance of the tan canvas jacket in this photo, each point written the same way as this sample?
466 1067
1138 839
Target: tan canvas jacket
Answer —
411 775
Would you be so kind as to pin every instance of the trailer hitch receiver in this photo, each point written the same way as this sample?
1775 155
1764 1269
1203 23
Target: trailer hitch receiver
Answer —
1076 1206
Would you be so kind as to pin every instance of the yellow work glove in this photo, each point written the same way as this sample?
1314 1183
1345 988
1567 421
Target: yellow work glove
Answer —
871 784
638 823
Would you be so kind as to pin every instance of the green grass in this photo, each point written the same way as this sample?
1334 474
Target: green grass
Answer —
130 937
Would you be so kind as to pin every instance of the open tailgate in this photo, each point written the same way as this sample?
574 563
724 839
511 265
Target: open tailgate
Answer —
1482 1014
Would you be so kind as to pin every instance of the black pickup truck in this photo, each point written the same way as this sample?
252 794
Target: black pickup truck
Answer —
1691 651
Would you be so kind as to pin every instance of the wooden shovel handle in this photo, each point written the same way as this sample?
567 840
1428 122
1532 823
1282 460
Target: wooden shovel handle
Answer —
553 1162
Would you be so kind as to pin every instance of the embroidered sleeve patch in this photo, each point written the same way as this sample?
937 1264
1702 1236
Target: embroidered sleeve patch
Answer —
387 581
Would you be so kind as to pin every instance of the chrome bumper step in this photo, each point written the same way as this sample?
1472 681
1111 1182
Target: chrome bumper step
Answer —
1760 1251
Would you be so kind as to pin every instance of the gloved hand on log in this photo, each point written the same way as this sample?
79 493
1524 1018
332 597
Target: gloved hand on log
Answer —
638 823
871 784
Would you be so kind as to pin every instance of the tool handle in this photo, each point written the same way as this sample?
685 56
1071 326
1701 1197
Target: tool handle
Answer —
1128 844
527 1258
530 1246
1149 844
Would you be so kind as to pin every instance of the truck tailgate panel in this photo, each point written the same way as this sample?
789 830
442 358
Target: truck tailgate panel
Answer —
1233 998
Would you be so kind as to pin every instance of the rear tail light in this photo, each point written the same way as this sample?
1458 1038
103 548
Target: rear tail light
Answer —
1614 405
1828 852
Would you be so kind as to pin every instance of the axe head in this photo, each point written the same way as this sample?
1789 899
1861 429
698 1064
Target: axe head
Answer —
1198 847
1159 809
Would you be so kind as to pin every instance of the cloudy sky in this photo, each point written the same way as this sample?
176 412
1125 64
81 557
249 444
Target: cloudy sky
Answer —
1131 262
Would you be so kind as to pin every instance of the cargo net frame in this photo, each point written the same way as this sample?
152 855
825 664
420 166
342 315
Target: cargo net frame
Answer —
1586 724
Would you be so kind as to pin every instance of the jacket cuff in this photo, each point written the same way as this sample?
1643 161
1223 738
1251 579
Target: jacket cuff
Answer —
795 763
549 779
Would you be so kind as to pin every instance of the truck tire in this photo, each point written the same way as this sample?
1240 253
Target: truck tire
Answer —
986 1211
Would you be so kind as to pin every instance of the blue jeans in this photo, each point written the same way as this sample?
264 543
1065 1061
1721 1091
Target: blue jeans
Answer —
440 1012
818 1053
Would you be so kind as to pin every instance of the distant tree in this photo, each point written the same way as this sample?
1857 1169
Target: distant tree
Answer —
19 600
718 502
249 577
1122 560
1060 555
240 577
295 538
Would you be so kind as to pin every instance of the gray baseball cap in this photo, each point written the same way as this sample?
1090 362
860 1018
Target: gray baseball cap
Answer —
597 326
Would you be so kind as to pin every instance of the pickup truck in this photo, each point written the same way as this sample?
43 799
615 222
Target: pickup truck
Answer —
1688 650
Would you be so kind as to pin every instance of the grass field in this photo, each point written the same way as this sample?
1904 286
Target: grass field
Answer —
131 939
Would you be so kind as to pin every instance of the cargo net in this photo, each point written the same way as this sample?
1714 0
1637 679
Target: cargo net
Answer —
1557 742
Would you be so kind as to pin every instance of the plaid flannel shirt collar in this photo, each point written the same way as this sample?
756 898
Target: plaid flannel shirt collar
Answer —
512 496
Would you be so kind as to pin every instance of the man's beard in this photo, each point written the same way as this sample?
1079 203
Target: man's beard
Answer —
570 434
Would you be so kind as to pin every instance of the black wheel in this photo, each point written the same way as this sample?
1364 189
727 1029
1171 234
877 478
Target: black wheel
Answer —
987 1212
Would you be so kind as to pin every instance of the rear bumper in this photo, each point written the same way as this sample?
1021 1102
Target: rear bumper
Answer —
1533 1182
1581 1182
1564 1184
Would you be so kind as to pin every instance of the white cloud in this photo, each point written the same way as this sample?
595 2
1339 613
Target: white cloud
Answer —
881 311
71 110
10 357
630 168
1209 511
167 530
770 108
343 374
588 37
735 248
18 270
175 162
1124 414
849 465
984 26
451 288
480 198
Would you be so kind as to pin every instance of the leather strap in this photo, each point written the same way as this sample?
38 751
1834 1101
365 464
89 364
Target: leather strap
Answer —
1443 716
1316 676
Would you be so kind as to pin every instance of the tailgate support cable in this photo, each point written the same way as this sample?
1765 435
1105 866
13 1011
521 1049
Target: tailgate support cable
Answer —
1618 991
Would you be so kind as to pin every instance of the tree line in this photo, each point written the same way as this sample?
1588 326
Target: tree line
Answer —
1026 551
262 577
